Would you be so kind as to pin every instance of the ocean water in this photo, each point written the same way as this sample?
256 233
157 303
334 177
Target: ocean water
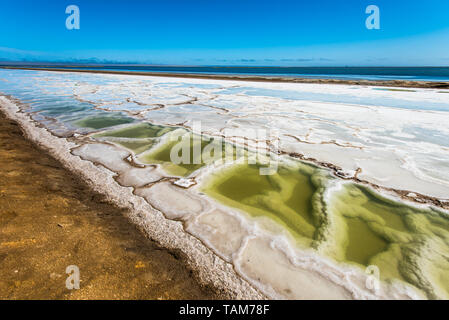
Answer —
343 73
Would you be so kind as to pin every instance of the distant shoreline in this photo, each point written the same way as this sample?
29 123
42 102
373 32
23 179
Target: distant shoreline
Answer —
257 78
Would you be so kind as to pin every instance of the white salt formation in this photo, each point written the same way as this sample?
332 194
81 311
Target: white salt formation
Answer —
290 234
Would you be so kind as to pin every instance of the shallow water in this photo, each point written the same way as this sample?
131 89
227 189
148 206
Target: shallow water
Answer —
183 153
138 131
162 154
285 197
370 229
101 122
362 243
393 236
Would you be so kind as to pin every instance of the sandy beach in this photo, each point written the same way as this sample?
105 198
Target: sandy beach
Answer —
50 219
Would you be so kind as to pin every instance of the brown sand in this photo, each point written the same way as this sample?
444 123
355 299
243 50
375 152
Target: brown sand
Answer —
49 220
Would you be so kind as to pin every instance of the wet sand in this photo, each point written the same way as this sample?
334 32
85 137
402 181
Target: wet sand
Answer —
257 78
49 219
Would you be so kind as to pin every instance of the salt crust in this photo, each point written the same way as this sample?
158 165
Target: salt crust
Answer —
236 254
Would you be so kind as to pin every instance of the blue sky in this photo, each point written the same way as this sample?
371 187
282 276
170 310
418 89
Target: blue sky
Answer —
228 32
